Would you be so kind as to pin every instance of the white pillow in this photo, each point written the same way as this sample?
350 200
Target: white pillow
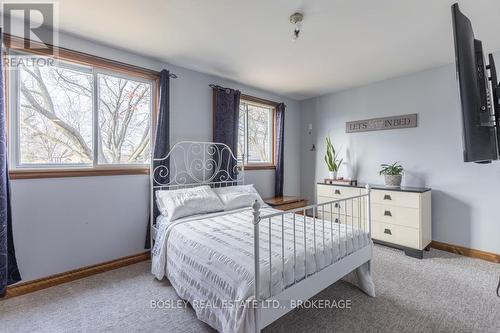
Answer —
160 205
234 197
189 201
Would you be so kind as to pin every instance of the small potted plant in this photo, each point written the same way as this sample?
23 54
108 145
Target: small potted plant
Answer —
393 174
332 159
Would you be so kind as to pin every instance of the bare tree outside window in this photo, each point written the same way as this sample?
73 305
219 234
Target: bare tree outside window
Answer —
256 127
60 112
55 116
124 120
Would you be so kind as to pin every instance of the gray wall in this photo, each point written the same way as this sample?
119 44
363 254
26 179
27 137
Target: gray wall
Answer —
191 119
66 223
465 195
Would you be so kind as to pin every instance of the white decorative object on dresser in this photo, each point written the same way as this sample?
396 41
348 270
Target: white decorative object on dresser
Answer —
401 217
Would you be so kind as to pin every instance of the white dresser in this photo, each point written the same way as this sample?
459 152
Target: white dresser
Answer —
400 217
348 212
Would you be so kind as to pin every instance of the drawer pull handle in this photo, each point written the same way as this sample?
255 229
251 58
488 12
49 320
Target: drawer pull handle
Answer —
337 205
387 197
387 231
336 220
337 191
387 213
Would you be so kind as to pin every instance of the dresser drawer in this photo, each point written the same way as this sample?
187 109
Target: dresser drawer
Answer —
356 222
337 192
338 218
329 217
407 217
353 207
396 234
395 198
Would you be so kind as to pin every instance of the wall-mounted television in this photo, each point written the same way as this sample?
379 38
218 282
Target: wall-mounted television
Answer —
480 123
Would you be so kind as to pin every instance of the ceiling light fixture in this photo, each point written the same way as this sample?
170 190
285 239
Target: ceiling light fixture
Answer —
296 20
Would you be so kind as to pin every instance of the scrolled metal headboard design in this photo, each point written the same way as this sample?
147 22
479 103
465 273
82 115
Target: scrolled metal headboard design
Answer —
193 163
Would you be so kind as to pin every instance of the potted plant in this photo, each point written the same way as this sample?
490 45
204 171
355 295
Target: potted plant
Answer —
332 159
393 174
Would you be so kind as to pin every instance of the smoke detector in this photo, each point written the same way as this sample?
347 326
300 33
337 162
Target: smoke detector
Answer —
296 20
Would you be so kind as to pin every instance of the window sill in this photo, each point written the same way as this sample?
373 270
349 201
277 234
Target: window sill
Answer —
260 167
59 173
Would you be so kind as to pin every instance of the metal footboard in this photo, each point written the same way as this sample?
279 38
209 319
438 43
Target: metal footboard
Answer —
345 219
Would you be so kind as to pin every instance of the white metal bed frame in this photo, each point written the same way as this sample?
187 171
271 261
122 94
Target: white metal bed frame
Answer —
193 163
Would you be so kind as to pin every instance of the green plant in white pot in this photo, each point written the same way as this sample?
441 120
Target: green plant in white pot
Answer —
332 160
393 174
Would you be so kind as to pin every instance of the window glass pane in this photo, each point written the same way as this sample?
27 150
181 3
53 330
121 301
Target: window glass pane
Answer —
259 134
55 118
124 120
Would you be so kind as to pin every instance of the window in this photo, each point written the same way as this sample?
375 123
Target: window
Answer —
256 132
124 115
54 116
73 116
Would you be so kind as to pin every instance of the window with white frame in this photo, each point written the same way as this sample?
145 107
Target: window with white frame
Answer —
256 133
74 116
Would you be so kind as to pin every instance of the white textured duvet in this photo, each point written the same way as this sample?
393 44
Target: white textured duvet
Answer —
209 259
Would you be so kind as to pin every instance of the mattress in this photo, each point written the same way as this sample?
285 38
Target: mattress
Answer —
209 259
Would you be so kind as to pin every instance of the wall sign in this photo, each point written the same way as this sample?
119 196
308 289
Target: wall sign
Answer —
379 124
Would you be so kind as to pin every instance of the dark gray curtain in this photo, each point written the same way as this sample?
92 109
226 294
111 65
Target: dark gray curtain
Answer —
280 149
226 105
162 137
9 273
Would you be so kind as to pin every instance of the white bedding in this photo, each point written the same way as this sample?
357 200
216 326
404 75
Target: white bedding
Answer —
188 201
209 258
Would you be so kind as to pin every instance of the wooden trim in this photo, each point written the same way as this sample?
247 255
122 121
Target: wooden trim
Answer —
259 167
14 42
34 174
273 105
54 280
18 43
259 100
275 136
464 251
155 113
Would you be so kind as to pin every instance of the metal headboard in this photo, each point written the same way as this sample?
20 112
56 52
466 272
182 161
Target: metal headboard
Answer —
193 163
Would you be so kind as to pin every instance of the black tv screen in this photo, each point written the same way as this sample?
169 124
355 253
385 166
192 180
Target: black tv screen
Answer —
479 134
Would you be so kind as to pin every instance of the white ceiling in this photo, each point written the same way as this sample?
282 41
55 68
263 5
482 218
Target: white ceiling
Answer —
344 43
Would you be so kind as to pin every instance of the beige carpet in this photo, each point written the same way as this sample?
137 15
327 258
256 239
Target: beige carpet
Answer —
441 293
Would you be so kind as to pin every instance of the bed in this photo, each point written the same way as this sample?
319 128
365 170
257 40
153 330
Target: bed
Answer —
243 268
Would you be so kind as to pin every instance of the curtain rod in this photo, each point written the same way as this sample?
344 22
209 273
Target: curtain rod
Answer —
216 86
212 85
173 76
249 97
